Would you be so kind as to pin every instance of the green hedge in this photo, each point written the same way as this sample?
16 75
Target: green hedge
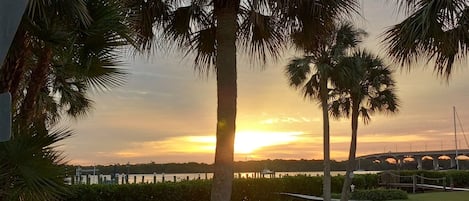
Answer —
361 181
245 189
379 194
199 190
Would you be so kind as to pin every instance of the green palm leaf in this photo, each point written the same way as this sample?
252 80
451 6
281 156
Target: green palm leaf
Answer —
261 34
33 166
76 8
143 15
435 30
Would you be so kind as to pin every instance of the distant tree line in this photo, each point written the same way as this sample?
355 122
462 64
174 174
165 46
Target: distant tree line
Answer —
257 166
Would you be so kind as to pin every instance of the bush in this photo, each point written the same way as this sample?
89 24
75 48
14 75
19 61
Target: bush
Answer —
365 181
379 194
199 190
181 191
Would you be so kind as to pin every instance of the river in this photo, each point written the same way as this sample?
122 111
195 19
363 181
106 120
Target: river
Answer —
152 178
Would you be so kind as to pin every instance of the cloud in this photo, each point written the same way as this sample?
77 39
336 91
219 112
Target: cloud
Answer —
288 120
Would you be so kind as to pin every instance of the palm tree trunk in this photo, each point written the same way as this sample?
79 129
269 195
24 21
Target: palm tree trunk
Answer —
226 94
353 149
12 71
37 81
326 141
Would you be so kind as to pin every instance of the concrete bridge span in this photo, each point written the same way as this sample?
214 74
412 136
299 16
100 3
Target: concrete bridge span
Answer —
419 156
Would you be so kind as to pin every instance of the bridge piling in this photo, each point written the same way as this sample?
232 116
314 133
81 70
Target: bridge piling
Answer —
419 163
436 165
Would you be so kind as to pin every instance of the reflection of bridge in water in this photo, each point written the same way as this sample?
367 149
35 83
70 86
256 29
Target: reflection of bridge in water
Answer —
419 156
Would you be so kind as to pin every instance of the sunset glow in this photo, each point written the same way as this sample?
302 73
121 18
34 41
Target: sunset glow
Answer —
247 142
167 112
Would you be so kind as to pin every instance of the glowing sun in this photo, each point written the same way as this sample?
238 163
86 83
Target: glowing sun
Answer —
249 141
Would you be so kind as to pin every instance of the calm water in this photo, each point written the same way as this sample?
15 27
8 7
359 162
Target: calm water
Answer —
151 178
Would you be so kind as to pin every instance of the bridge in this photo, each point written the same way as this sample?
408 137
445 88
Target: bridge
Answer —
419 156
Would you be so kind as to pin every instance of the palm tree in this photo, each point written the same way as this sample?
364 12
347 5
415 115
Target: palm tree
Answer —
435 30
64 56
81 55
214 29
42 26
317 74
371 90
87 61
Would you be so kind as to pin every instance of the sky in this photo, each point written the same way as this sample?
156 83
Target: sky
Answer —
166 111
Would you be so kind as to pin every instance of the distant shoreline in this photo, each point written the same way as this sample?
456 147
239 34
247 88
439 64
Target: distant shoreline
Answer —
276 165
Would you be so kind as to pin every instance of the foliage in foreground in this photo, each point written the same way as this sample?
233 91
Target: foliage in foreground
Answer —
379 194
199 190
31 168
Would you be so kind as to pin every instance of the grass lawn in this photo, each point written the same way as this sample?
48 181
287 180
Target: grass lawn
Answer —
439 196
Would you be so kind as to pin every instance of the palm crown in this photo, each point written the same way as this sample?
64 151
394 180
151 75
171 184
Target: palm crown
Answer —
264 27
320 64
372 87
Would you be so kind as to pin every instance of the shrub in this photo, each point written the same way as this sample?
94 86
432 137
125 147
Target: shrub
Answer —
199 190
181 191
243 189
379 194
365 181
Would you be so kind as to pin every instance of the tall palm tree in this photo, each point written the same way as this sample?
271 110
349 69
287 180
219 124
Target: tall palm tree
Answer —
214 29
317 73
435 30
371 90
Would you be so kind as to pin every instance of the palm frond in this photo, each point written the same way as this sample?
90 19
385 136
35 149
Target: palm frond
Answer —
75 10
311 21
365 114
340 104
435 30
191 28
312 87
104 78
110 27
260 35
203 44
298 70
33 165
144 15
73 99
184 21
347 37
94 53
